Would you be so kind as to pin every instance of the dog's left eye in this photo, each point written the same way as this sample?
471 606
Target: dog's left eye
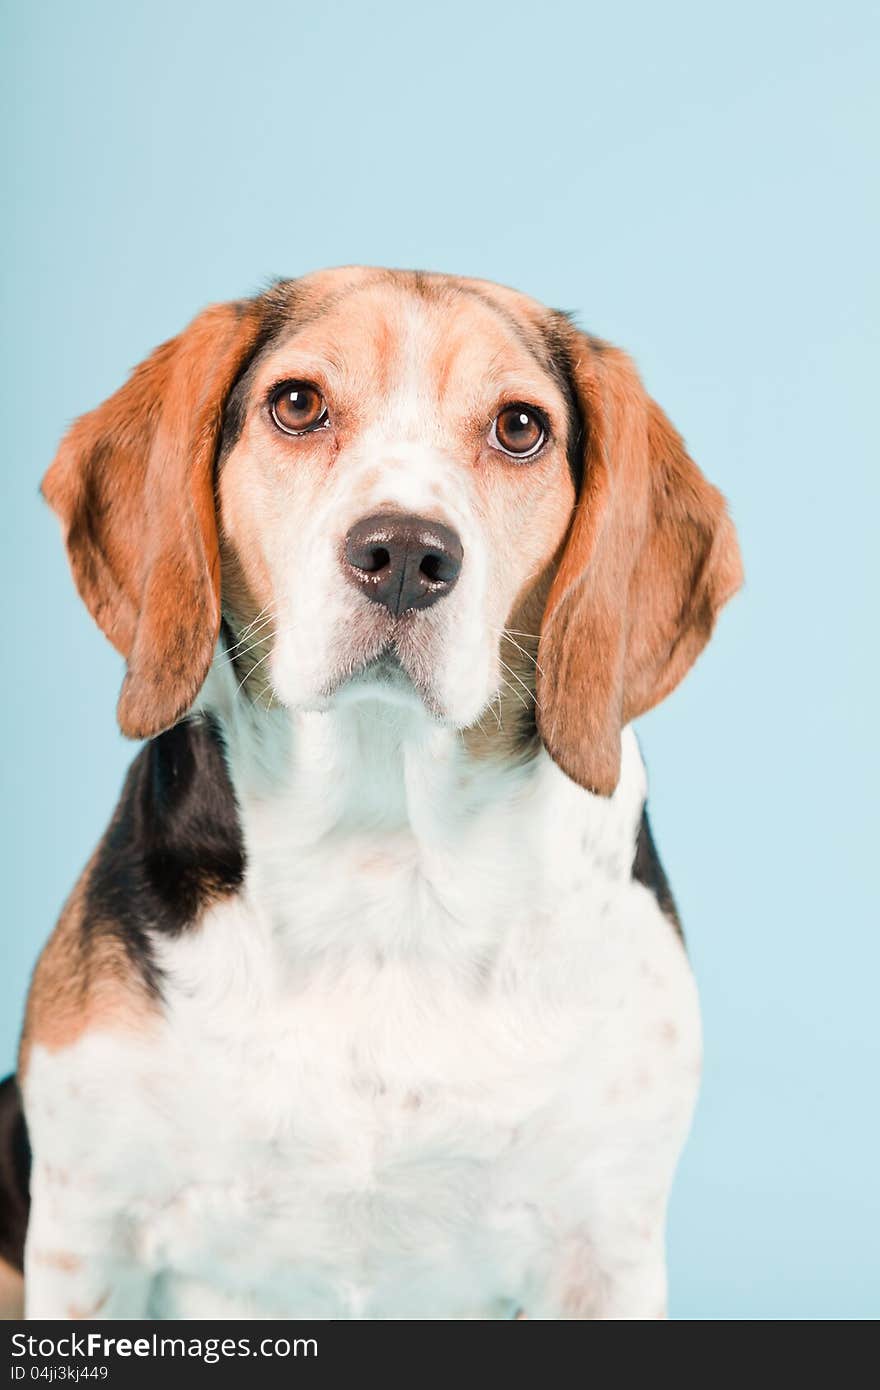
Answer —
298 408
519 431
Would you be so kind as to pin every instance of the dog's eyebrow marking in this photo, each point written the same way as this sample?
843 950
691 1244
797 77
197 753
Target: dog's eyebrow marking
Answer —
286 304
554 360
526 339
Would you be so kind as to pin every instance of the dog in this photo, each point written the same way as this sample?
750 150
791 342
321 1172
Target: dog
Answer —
372 1002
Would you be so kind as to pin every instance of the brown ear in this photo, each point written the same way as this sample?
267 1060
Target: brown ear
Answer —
650 558
133 485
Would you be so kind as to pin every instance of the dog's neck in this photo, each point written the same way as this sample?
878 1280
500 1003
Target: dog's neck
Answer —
362 813
366 769
370 762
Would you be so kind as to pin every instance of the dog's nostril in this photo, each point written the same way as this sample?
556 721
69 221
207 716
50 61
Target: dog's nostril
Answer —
432 566
378 559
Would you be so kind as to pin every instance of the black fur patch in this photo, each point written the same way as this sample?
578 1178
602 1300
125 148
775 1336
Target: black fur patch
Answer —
173 846
15 1171
563 367
648 871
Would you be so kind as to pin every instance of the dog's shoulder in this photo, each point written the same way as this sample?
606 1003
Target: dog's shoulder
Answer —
172 848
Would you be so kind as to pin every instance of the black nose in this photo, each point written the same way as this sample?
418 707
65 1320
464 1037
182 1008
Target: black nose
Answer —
402 562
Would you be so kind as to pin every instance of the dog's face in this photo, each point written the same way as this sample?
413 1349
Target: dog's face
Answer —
415 486
398 487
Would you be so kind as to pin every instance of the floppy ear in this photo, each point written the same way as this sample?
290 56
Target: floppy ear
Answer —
133 484
651 556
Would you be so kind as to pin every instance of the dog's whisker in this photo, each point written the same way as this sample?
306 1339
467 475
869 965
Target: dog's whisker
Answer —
513 691
257 616
249 627
231 660
256 666
527 655
232 655
251 632
511 672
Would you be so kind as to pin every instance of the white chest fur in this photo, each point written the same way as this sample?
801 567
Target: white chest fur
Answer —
436 1060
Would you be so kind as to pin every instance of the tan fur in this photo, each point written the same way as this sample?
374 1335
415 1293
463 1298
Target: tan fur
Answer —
83 982
11 1293
133 485
79 1313
650 560
508 730
64 1260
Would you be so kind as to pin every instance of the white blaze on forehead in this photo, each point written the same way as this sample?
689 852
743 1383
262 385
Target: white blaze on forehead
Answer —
410 409
413 396
406 449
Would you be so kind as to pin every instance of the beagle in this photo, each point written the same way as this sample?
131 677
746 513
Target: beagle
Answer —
372 1001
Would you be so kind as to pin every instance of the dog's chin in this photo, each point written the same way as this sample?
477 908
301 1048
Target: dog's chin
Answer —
394 666
385 678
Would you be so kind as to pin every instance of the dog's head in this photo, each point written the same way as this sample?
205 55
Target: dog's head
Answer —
423 487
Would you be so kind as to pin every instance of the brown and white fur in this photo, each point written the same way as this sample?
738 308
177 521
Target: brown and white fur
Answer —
372 1001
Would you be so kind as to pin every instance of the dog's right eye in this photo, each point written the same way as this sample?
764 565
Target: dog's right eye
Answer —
298 408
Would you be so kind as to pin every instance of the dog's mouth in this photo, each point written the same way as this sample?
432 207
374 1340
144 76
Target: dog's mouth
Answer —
385 670
385 675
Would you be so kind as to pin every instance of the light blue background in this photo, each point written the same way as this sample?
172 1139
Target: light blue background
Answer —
696 181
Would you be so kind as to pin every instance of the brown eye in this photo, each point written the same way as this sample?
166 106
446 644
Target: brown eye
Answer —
519 431
298 408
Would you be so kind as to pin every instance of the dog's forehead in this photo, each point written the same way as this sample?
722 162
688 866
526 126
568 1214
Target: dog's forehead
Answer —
387 323
322 287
